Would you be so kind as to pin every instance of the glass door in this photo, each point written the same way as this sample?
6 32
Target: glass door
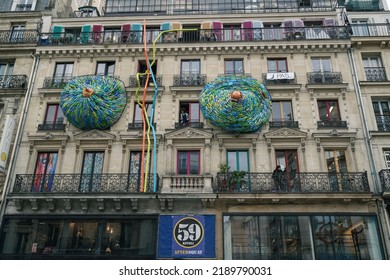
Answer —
338 170
91 172
44 172
135 169
288 160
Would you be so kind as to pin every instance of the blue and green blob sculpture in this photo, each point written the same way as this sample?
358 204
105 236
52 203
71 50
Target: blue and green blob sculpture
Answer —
93 102
235 103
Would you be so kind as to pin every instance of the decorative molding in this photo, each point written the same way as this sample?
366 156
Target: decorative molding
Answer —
117 204
94 134
84 204
51 204
284 133
34 204
170 203
303 145
162 204
100 204
134 204
67 204
18 204
318 144
188 132
269 145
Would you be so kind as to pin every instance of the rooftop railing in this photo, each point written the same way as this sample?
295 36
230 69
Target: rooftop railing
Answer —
203 35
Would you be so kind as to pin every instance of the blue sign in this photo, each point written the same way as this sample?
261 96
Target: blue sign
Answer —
185 237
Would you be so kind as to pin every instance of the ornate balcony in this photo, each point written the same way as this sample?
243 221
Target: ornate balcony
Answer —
384 176
245 182
278 123
192 123
18 37
56 82
142 80
332 123
279 78
189 80
375 74
77 183
13 81
324 78
51 126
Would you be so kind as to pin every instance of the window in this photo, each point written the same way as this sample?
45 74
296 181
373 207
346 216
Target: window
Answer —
44 171
188 162
135 169
6 70
62 73
142 67
232 32
192 111
91 171
386 155
299 237
321 64
23 5
234 67
373 68
337 165
288 160
282 114
105 68
277 65
328 110
238 160
17 33
137 119
382 114
54 118
190 67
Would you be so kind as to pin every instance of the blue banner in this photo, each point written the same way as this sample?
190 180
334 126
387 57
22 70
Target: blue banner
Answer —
186 237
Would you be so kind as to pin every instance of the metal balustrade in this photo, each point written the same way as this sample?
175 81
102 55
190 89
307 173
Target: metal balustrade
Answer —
13 81
191 123
202 35
383 122
78 183
142 79
56 82
51 126
278 123
19 37
332 123
324 78
192 79
305 182
375 74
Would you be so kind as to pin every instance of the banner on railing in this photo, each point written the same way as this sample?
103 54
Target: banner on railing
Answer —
5 142
280 76
185 237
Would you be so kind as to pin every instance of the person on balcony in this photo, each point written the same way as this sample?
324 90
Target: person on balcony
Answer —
279 177
183 118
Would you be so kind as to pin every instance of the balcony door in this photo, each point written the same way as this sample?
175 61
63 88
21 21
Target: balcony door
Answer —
62 73
289 160
135 169
337 166
17 33
188 163
382 114
91 171
44 171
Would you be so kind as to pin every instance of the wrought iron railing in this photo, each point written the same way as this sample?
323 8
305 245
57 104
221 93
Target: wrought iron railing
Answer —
142 79
191 123
19 37
51 126
56 82
361 6
189 80
370 30
375 74
245 182
329 123
77 183
137 125
279 78
324 78
383 122
13 81
191 36
384 176
235 74
277 123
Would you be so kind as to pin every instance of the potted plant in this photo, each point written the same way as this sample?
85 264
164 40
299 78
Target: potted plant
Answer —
224 170
235 180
